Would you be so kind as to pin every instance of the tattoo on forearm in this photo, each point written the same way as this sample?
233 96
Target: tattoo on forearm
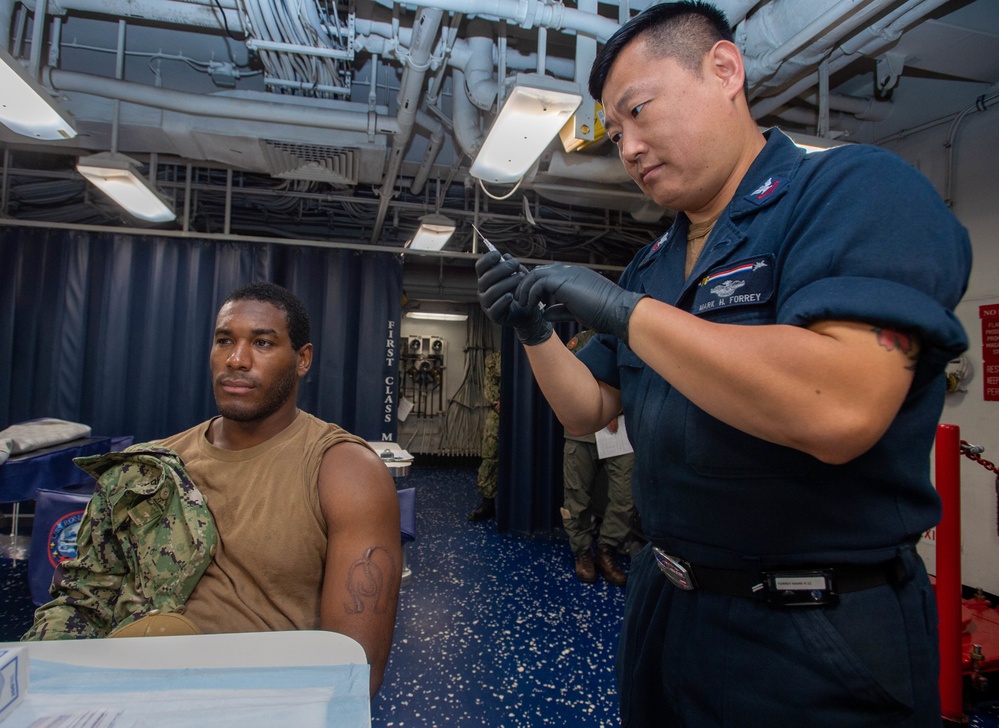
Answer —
367 581
892 340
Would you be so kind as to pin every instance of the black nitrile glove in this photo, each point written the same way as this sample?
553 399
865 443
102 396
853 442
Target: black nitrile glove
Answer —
589 297
498 278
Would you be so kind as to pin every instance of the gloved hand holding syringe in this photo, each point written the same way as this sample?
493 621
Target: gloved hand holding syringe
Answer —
510 294
490 246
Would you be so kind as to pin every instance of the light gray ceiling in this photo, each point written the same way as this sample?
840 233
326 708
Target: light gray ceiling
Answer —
257 143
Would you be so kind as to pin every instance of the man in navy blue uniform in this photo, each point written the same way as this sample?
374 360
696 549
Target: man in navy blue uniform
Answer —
779 356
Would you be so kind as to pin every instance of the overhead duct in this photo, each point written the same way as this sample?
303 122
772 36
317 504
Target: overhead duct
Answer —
172 12
871 41
600 170
468 134
528 14
288 111
311 162
480 84
173 104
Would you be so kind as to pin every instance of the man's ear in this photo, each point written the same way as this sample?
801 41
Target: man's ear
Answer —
304 360
726 64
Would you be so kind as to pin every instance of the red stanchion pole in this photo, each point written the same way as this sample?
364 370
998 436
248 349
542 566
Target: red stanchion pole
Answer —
948 576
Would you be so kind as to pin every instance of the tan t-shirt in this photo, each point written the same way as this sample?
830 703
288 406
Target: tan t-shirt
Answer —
697 236
267 573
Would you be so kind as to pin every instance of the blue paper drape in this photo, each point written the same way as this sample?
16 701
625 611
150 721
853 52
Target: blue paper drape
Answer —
529 477
114 331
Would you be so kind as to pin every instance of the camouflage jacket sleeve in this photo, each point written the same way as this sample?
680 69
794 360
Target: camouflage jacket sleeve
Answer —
146 538
491 386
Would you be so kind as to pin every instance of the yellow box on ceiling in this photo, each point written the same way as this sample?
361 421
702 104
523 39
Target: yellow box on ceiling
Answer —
572 143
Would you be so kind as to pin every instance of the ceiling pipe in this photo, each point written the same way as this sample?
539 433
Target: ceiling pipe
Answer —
866 109
37 39
174 12
787 37
436 130
515 60
600 170
215 105
799 116
735 10
375 37
468 134
981 104
6 20
882 34
410 89
480 84
779 32
889 28
366 30
529 14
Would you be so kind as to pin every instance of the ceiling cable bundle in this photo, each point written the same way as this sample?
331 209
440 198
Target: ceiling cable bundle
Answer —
302 49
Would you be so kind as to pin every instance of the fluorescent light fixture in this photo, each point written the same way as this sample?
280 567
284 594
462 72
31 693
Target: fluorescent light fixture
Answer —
433 234
813 143
118 177
435 316
536 109
26 107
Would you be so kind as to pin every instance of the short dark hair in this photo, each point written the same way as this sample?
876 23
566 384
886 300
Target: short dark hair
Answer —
282 298
684 31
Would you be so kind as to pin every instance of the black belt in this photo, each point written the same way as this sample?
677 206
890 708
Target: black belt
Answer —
792 586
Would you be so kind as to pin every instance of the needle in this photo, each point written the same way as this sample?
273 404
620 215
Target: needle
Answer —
484 238
522 270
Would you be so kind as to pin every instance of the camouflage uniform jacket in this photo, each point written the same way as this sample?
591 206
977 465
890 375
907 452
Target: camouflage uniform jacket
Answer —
146 538
491 388
486 483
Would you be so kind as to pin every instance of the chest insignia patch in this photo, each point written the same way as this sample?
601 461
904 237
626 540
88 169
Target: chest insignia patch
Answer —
746 283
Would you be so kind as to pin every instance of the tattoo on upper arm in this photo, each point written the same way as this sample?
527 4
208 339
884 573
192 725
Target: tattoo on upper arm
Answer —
892 340
367 581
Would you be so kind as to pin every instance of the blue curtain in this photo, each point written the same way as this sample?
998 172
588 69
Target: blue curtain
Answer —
529 477
114 331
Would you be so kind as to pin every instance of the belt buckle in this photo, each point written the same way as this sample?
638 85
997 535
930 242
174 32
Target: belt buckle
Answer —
674 569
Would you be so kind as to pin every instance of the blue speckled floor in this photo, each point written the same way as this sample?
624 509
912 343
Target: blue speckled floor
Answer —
493 629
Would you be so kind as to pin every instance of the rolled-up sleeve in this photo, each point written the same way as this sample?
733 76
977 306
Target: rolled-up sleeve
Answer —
903 264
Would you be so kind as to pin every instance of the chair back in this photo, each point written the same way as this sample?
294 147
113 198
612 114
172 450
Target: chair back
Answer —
58 514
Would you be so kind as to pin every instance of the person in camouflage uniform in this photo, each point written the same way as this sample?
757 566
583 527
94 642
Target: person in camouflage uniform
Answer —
486 483
146 538
581 468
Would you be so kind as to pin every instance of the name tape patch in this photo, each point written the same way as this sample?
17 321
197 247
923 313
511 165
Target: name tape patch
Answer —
745 283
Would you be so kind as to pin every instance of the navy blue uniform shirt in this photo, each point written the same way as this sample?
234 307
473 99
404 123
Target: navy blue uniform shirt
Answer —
853 233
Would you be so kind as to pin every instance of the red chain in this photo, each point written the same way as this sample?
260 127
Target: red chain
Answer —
966 451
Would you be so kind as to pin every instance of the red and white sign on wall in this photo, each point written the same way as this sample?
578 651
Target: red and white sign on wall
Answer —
990 350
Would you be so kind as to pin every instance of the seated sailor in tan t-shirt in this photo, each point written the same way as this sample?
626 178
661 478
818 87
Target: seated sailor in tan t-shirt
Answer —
306 514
